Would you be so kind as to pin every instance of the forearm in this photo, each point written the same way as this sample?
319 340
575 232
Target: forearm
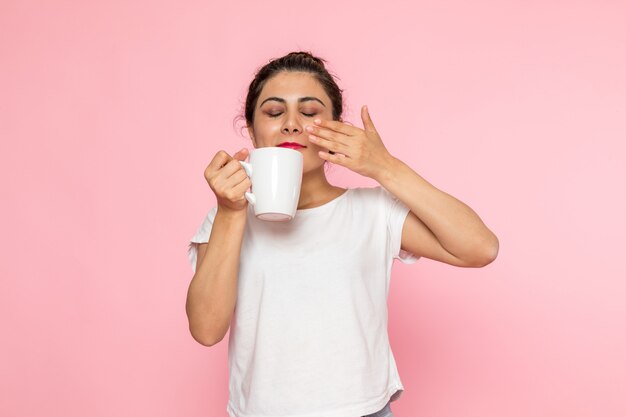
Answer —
457 227
212 292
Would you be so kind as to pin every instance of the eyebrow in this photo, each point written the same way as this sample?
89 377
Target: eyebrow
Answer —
300 100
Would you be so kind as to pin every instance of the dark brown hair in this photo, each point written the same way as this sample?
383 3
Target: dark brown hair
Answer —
294 61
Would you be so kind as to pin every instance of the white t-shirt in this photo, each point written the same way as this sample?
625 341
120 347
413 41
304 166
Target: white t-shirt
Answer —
308 336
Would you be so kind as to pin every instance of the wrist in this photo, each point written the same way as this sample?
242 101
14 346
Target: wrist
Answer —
387 169
229 213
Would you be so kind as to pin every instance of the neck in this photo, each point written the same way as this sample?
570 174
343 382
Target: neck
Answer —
315 189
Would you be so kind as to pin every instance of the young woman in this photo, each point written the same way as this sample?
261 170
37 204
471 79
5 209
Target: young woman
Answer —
306 300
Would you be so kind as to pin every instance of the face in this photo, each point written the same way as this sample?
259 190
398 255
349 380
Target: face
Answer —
288 103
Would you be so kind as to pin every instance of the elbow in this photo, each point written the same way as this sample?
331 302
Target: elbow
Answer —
209 342
482 253
203 328
488 253
205 339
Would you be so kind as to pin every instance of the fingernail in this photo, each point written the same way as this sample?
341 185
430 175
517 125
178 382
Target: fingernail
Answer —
318 121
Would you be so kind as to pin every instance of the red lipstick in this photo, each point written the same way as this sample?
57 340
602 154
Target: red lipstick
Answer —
291 145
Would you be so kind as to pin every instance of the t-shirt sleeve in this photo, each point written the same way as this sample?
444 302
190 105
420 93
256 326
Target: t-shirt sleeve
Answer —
396 215
201 236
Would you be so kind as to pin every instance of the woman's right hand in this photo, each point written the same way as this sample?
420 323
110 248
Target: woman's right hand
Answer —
228 180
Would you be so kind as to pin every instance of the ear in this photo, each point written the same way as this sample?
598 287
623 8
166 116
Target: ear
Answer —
251 134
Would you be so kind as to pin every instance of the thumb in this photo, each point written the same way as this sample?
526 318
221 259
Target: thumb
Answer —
367 120
241 155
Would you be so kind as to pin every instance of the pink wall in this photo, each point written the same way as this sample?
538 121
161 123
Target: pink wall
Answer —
110 111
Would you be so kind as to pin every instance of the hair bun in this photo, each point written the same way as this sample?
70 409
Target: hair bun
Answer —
305 55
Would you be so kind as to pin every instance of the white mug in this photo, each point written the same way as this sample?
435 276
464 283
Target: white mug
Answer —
276 176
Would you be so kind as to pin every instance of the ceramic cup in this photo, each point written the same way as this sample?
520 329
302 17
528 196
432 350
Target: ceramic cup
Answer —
276 176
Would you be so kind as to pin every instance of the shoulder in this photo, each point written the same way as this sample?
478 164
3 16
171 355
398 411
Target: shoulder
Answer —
367 192
372 195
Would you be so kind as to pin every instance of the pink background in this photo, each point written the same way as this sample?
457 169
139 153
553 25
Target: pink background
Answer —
110 112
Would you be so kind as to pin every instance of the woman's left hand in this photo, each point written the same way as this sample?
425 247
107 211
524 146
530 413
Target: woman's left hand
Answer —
360 150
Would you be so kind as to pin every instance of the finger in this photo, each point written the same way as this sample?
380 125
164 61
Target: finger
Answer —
226 185
329 135
339 159
236 177
218 161
242 187
241 155
331 145
367 120
230 168
337 126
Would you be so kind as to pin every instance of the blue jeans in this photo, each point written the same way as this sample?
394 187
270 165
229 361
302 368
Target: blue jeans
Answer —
385 412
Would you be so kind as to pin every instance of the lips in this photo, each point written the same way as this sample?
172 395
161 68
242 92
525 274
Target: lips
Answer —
291 145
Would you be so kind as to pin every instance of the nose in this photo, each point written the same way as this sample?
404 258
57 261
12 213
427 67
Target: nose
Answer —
292 125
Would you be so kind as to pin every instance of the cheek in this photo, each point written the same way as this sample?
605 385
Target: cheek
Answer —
266 132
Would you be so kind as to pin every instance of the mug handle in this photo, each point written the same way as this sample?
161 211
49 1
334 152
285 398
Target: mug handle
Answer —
248 168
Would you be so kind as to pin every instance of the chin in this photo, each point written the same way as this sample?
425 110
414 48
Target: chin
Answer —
306 168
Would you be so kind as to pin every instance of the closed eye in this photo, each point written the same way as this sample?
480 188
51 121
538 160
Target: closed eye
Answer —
278 114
